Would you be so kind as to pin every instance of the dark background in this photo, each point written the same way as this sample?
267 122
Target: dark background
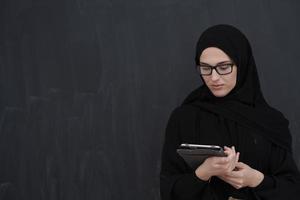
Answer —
87 87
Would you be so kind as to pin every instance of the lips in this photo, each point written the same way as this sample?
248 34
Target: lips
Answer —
217 86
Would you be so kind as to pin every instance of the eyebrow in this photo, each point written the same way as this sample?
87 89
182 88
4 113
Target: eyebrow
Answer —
226 61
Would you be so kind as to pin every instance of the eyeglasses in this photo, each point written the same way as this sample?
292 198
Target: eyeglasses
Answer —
221 69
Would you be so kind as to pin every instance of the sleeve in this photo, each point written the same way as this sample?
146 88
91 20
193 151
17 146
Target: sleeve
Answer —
283 181
177 180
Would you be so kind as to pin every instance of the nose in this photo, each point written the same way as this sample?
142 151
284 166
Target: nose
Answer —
214 75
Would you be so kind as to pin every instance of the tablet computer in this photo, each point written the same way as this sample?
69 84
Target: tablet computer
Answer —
195 154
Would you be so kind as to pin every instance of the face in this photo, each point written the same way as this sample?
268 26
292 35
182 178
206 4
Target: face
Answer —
219 85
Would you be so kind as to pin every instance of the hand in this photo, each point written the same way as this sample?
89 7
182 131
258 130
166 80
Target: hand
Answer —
243 176
215 166
233 155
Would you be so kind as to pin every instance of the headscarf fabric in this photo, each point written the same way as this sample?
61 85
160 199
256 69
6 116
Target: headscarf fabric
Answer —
245 104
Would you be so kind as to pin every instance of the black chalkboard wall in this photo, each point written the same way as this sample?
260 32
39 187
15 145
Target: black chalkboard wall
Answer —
87 87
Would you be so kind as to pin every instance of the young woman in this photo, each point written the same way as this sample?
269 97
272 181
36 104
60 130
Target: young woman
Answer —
229 110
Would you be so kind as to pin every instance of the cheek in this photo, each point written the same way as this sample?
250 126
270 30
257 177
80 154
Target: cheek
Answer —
231 81
205 80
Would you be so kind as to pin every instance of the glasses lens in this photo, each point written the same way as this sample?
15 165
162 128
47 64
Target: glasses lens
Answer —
224 69
204 70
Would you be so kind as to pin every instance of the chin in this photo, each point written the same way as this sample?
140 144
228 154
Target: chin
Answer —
219 93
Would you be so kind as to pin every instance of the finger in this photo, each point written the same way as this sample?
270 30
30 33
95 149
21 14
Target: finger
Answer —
233 148
231 152
228 150
237 157
233 182
241 165
233 156
234 174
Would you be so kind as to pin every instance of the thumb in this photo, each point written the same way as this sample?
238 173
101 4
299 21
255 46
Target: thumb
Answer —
240 165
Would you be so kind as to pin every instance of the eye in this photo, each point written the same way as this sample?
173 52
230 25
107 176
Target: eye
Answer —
224 67
205 68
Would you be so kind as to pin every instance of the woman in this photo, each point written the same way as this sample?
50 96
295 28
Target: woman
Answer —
229 110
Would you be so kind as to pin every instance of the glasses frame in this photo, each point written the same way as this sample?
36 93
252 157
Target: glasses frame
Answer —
214 68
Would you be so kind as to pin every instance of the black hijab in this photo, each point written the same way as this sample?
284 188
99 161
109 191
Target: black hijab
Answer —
245 104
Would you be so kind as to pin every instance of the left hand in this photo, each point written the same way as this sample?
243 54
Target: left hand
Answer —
243 176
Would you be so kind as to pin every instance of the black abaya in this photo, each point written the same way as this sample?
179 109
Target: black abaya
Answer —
189 124
242 119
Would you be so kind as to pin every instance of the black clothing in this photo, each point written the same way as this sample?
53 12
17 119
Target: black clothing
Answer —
189 124
246 99
242 119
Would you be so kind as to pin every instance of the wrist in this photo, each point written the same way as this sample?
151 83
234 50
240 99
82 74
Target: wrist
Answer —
259 177
202 174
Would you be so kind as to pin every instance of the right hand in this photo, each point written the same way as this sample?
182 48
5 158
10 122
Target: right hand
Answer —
218 166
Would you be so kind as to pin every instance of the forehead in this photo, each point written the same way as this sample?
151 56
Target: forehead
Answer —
213 55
